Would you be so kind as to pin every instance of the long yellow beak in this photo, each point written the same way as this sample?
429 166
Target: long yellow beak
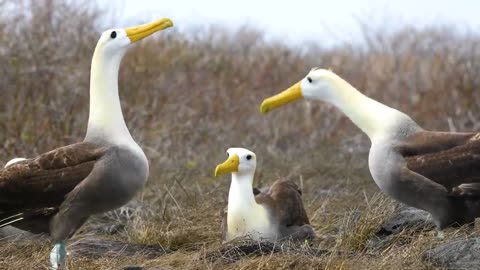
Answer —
289 95
230 165
138 32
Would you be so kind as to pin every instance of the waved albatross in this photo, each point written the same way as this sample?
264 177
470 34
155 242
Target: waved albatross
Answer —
57 191
276 213
438 172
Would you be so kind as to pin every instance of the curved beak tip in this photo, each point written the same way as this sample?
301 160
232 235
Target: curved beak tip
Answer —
170 22
264 108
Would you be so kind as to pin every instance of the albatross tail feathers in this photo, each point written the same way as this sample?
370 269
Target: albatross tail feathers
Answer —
467 190
47 211
10 220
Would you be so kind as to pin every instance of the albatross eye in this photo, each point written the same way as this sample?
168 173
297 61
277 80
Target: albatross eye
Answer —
113 34
228 154
309 79
249 157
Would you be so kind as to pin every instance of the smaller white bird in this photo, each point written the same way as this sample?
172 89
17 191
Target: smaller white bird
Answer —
274 214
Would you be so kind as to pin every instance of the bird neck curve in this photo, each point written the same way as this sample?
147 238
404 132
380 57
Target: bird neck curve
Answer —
105 121
375 119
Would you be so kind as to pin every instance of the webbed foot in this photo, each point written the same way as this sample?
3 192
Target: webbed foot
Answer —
58 256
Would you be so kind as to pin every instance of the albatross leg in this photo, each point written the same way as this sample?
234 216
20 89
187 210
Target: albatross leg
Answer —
57 256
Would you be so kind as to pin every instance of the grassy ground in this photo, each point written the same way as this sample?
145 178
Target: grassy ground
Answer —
187 97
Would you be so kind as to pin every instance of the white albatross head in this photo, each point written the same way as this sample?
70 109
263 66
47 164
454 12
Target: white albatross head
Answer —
114 42
319 84
240 161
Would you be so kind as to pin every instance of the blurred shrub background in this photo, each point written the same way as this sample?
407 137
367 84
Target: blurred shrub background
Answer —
185 97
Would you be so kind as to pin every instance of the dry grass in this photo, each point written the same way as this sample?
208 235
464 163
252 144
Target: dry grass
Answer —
188 97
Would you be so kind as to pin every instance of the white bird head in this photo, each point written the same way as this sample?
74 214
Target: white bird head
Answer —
240 160
114 42
319 84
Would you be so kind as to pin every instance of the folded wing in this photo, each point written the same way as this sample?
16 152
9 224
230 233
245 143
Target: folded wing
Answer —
33 189
455 161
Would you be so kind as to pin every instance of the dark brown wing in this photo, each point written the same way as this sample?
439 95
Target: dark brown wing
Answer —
284 197
43 182
425 142
450 159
